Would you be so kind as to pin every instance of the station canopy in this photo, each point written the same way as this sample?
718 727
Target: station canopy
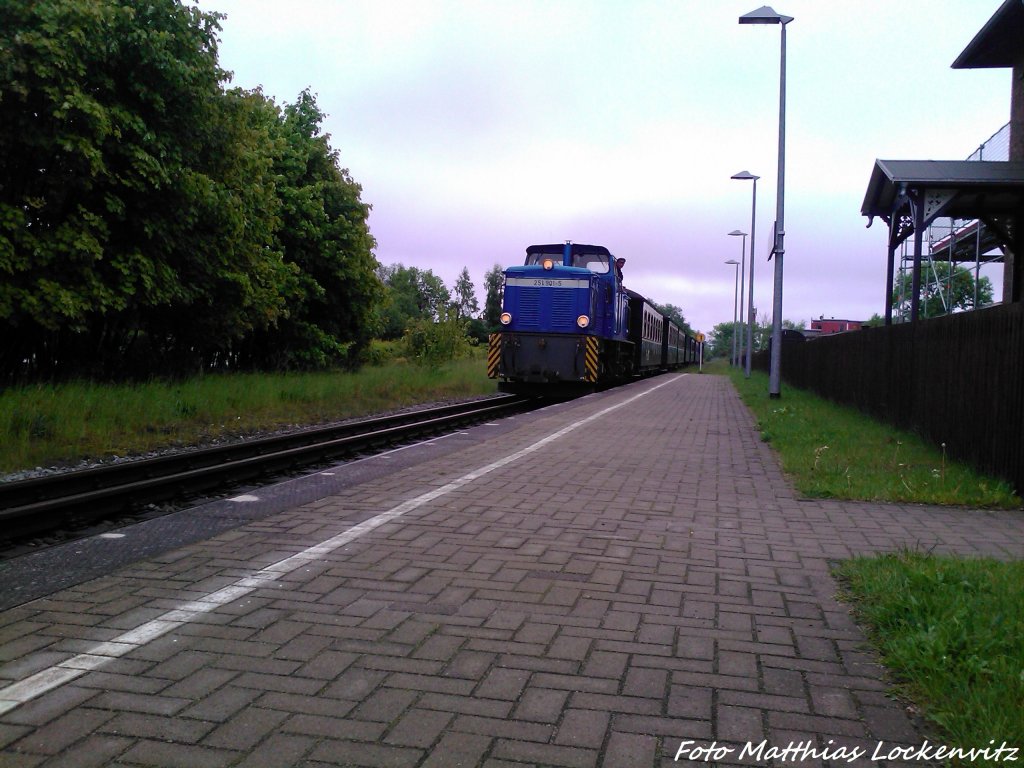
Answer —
913 193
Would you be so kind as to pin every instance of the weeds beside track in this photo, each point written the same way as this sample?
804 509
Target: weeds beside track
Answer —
44 425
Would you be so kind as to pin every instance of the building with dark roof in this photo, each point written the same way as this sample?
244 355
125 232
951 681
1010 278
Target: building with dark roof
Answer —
910 194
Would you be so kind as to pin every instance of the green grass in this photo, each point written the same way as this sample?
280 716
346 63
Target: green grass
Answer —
953 631
43 425
834 451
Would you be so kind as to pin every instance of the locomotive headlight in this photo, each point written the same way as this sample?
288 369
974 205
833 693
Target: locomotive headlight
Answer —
548 263
582 321
505 318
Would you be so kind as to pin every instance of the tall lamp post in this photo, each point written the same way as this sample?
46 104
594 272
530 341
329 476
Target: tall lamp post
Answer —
744 176
765 15
735 305
743 262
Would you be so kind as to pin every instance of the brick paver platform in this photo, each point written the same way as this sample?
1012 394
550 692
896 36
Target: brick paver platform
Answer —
605 582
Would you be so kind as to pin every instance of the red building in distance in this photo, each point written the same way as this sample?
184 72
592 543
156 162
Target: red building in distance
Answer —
823 327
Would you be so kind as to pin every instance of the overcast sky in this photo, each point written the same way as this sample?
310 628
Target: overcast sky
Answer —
479 128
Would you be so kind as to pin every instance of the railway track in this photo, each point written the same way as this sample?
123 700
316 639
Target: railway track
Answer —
32 506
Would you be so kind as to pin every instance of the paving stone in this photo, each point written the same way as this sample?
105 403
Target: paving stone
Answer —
738 724
583 728
419 728
247 729
628 750
64 731
545 754
350 753
170 755
169 729
543 705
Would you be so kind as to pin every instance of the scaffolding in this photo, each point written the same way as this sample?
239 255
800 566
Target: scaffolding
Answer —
951 241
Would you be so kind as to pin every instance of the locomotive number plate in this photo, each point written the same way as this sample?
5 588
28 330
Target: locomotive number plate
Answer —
545 282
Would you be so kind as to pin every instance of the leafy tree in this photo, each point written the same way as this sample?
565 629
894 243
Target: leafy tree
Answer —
676 314
150 218
494 285
411 294
719 340
137 208
465 303
434 298
952 290
326 242
477 331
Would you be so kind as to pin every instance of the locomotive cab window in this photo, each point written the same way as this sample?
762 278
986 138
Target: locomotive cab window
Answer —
595 262
538 259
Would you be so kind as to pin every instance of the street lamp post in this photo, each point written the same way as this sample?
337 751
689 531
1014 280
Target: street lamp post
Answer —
765 15
743 262
735 305
743 176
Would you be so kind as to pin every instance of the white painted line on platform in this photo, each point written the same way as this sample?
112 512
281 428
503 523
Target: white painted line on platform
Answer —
32 687
244 497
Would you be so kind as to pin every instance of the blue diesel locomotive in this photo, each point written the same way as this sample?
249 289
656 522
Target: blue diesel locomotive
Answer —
568 321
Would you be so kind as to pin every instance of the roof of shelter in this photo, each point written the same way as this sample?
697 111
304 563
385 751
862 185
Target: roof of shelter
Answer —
972 189
998 44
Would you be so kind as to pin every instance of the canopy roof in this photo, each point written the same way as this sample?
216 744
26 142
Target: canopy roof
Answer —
961 189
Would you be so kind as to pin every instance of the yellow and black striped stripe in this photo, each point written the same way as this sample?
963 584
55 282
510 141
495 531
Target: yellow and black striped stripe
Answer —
590 358
493 355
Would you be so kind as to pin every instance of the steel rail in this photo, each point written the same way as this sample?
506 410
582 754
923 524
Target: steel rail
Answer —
37 504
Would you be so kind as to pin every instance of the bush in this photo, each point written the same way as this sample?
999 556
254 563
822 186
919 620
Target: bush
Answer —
379 352
432 344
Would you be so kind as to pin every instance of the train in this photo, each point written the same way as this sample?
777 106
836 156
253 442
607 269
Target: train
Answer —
568 323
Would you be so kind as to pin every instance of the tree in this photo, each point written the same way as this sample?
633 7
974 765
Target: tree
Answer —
151 219
944 289
465 303
137 208
494 285
676 314
719 340
326 241
411 294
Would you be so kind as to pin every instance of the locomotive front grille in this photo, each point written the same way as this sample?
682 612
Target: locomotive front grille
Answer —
529 307
540 307
562 309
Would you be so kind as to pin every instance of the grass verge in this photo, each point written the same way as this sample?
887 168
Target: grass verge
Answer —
54 424
834 451
952 629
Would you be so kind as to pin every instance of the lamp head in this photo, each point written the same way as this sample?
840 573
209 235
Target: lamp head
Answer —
737 233
744 176
764 15
732 261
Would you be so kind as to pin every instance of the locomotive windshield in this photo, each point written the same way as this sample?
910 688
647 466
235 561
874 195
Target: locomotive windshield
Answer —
533 259
595 262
